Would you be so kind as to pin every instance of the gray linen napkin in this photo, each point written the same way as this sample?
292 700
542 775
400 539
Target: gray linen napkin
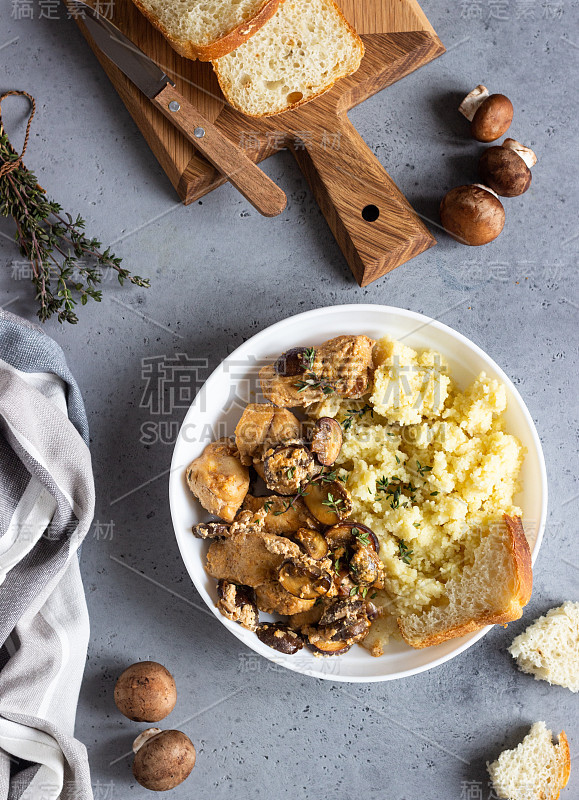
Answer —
46 509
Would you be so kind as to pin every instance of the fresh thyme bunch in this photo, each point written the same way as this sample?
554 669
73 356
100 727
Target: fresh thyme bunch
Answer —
66 265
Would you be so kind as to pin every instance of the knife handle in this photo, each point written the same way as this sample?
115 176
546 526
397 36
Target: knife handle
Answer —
225 156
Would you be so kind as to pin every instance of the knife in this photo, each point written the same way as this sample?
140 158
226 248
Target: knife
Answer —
225 156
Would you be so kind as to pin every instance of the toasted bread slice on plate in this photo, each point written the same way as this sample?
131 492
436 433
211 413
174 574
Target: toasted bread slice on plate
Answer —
490 591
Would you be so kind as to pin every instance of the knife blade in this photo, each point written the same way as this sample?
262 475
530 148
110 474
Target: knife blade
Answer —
155 84
111 41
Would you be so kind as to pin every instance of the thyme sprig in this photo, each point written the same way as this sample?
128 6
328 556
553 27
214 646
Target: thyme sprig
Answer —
362 536
308 357
313 381
394 489
66 265
335 504
322 477
351 413
404 551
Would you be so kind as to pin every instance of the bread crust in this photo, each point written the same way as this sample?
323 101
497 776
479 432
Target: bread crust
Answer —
220 47
292 106
564 759
522 558
521 555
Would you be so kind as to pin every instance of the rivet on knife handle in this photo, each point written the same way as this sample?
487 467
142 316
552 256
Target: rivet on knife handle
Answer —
225 156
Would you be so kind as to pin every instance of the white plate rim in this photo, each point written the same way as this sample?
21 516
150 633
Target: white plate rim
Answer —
174 486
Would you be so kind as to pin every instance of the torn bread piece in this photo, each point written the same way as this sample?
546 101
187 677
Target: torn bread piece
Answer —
536 769
491 591
549 648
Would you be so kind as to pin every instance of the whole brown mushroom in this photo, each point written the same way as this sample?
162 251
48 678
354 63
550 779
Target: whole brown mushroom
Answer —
146 692
506 168
490 115
472 214
163 759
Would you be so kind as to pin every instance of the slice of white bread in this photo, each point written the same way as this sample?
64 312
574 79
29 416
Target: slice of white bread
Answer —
207 29
300 53
536 769
549 648
492 590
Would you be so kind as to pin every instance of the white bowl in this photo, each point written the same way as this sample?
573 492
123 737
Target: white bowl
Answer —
219 405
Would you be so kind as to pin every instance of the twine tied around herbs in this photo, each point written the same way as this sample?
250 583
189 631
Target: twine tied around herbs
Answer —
6 167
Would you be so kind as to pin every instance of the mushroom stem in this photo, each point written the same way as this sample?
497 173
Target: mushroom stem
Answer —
487 189
144 737
528 156
472 101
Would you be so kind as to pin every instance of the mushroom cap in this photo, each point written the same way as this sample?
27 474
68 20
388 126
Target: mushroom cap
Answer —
164 761
492 118
504 171
146 692
472 215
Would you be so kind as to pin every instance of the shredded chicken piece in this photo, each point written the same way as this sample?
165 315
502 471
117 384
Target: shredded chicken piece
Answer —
274 599
253 558
281 518
237 603
342 366
218 479
263 426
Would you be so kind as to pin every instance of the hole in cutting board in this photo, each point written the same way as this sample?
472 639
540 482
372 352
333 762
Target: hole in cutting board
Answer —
370 213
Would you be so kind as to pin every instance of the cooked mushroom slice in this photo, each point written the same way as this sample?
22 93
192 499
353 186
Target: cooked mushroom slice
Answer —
342 609
347 620
353 631
287 467
344 583
327 440
321 641
218 479
328 502
344 534
326 647
303 581
238 603
284 515
291 362
279 637
365 566
210 530
312 543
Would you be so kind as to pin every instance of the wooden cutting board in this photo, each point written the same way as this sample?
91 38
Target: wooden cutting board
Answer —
373 222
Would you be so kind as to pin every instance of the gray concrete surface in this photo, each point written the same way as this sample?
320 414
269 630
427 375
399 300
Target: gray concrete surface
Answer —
220 273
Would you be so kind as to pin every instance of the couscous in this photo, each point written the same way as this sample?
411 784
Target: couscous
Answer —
427 467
